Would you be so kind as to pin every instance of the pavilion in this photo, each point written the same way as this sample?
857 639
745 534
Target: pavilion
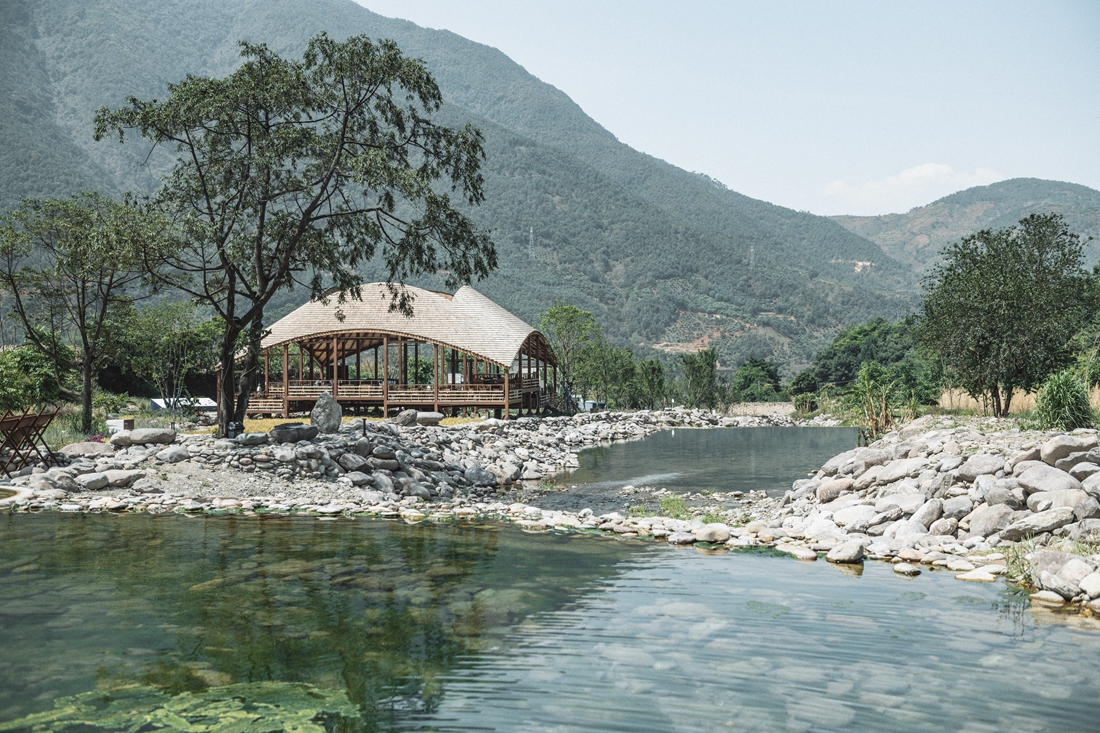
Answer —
456 353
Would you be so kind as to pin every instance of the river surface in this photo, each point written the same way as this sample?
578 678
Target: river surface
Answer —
144 623
723 459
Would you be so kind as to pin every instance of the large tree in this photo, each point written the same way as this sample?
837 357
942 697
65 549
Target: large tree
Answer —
570 332
1003 307
298 171
67 264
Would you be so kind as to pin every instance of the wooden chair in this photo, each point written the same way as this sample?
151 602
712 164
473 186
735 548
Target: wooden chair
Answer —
22 434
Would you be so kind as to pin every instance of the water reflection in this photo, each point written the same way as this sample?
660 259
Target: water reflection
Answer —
726 459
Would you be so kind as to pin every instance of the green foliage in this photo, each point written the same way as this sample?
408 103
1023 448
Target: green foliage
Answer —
701 385
1003 307
674 507
606 372
1063 403
308 166
571 333
873 397
804 383
876 340
805 402
163 344
757 380
27 378
650 388
254 706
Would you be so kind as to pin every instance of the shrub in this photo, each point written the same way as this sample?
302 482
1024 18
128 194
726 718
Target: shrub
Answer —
805 403
1063 403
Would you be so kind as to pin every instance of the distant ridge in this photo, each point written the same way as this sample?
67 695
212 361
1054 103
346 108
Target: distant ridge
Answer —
917 236
668 260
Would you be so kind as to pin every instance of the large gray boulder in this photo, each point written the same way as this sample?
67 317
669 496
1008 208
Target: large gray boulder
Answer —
980 465
1047 521
1062 446
857 515
831 490
906 467
404 418
1060 572
1038 501
351 462
1040 477
174 454
986 520
141 436
716 532
928 512
326 414
292 432
93 481
120 478
478 476
846 552
957 507
428 418
252 438
74 450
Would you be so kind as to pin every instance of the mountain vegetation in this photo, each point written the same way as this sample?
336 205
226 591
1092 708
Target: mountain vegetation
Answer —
668 261
917 237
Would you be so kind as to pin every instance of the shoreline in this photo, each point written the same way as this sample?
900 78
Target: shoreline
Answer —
940 494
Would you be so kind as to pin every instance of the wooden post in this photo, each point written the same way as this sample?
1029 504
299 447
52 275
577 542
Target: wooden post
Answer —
435 377
286 381
335 367
266 377
301 364
376 362
358 361
385 376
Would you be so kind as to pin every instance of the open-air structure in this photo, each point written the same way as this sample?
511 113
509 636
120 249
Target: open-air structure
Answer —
456 353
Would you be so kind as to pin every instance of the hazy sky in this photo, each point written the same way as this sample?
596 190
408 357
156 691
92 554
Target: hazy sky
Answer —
833 107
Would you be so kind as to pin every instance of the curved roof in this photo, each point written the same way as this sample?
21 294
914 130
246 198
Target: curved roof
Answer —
467 321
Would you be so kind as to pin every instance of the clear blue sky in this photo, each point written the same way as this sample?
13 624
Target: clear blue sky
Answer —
832 107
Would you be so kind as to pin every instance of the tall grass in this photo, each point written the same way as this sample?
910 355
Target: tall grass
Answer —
1063 403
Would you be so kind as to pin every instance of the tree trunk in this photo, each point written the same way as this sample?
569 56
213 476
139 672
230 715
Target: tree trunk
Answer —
1007 402
86 397
996 394
249 370
227 379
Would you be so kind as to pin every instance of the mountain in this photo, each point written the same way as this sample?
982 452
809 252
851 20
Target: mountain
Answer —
668 260
916 237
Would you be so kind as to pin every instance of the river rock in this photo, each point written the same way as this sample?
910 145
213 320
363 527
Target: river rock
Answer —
681 538
358 478
404 418
92 481
944 526
904 568
829 491
1038 523
957 507
141 436
326 414
846 552
1040 477
928 512
417 489
837 462
715 532
293 432
1002 495
88 449
1085 469
1087 509
986 520
980 465
479 476
1034 454
175 454
122 478
1090 585
906 467
1056 499
384 464
252 438
1061 446
859 514
428 418
1060 572
384 452
352 462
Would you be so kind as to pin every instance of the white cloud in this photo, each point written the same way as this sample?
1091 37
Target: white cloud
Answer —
911 188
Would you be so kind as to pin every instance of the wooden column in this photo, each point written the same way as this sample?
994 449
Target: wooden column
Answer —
286 381
507 401
385 376
358 360
435 376
266 373
416 361
335 366
376 362
301 364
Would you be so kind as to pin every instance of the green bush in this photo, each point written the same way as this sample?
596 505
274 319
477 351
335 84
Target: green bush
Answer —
805 403
1063 403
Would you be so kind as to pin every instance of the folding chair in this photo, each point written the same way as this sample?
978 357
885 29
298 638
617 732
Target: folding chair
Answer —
22 434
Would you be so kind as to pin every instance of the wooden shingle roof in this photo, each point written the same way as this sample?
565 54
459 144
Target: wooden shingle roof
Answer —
467 321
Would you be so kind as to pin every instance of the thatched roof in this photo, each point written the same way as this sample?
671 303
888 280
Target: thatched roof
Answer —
467 321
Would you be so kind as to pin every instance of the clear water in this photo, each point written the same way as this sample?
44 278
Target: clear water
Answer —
724 459
391 627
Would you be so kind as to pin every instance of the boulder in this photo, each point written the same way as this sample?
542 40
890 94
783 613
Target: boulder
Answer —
829 491
141 436
358 478
88 449
252 438
1090 585
1087 509
384 464
120 439
175 454
1041 477
292 432
382 482
384 452
980 465
351 462
716 532
957 507
1031 455
428 418
1084 469
1073 459
1062 446
944 526
1001 495
928 512
417 489
846 552
404 418
987 519
364 447
859 514
478 476
908 503
1037 502
867 479
93 481
326 414
122 478
681 538
837 462
906 467
1060 572
1047 521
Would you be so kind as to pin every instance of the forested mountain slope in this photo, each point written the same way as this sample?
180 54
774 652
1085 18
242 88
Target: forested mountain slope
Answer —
917 236
666 258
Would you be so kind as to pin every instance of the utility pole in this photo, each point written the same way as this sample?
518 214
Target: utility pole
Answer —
531 245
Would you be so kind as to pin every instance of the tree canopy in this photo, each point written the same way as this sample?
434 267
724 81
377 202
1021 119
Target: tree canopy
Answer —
1002 308
297 172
